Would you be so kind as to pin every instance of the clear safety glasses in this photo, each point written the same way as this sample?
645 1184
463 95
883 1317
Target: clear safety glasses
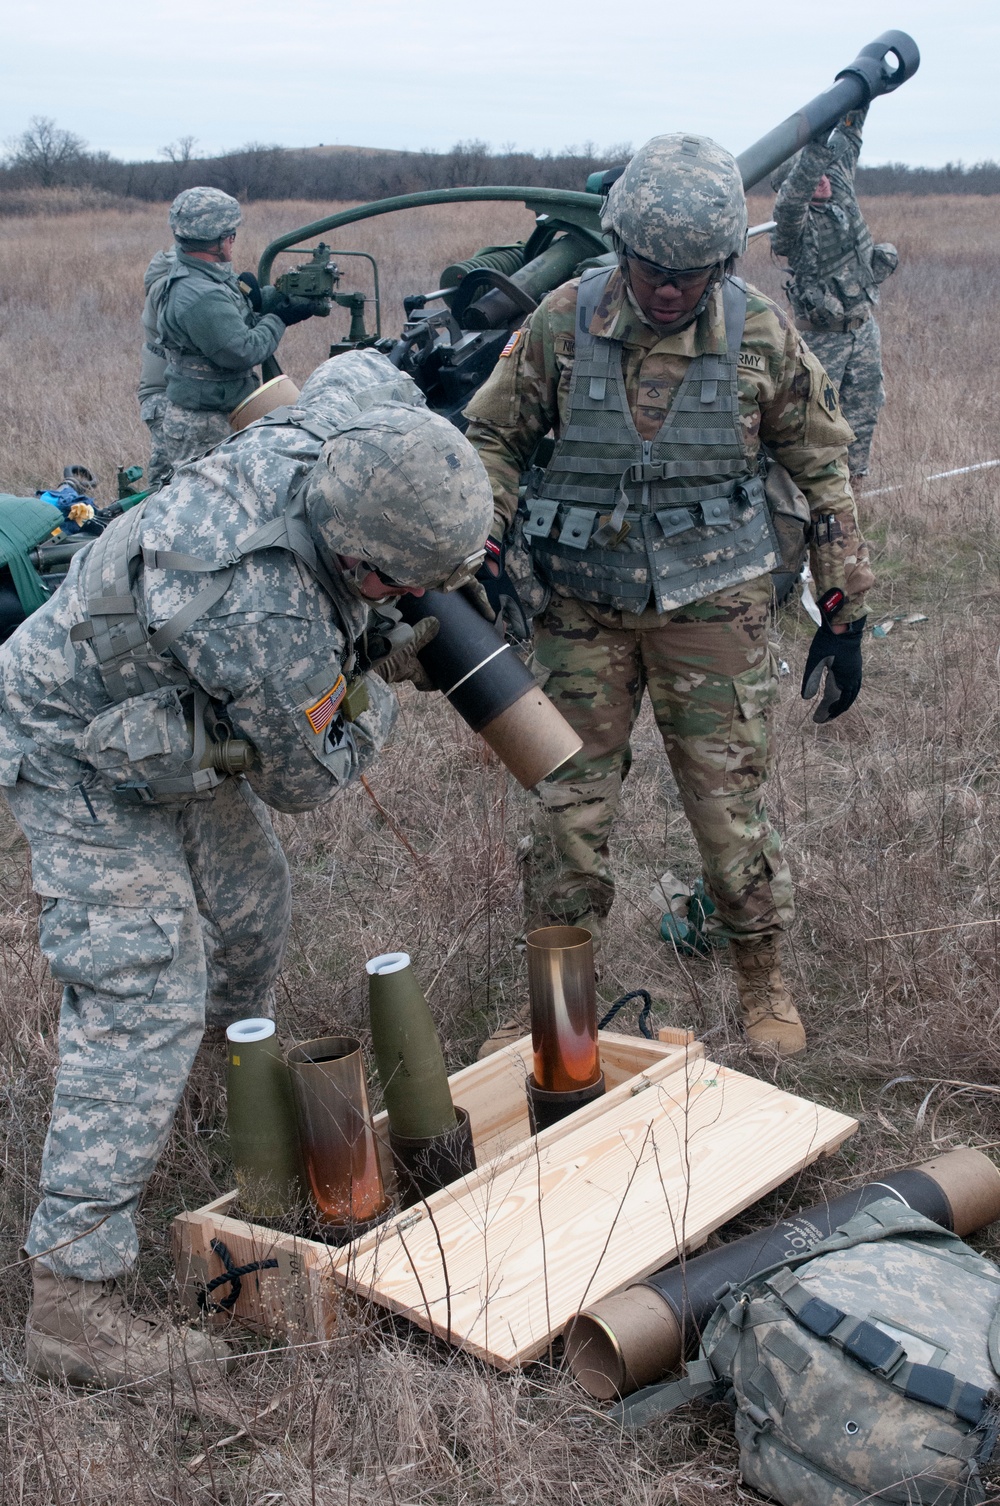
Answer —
656 276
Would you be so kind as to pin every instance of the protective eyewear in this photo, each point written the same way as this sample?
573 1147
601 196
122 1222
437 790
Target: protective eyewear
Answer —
658 277
466 571
460 576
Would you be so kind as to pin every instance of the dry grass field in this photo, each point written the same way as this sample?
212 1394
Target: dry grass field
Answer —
891 821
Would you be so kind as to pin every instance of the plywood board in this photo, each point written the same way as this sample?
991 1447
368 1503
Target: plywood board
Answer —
499 1262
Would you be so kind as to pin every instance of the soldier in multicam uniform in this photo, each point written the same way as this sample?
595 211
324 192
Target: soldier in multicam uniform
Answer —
211 335
836 271
217 626
649 531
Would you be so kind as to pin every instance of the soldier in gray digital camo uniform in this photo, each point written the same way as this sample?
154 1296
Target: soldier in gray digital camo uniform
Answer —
216 621
152 392
836 271
651 545
211 335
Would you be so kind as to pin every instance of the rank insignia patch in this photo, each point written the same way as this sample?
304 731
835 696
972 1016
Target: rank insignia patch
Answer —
323 711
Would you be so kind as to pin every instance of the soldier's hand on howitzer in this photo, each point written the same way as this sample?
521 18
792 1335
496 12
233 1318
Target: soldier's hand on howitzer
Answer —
839 654
401 662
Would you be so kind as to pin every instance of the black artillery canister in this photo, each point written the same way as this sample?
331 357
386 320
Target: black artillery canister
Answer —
637 1336
490 688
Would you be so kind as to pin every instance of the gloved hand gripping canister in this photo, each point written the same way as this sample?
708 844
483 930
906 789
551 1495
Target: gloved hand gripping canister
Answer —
837 653
401 662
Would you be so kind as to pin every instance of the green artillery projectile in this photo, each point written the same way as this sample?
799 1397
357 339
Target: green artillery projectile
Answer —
263 1134
408 1054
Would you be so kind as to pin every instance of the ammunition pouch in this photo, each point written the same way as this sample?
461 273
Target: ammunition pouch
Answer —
153 749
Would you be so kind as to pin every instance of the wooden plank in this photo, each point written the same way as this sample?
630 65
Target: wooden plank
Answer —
499 1262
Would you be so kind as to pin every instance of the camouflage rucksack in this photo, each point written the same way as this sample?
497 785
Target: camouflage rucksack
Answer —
861 1370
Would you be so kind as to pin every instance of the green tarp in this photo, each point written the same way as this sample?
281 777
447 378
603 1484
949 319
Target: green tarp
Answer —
24 523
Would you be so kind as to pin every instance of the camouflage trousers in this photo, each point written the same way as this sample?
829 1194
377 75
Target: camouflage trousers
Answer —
711 681
210 911
853 362
188 434
151 412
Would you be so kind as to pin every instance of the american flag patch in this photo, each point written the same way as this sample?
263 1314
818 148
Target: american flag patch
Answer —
322 713
511 345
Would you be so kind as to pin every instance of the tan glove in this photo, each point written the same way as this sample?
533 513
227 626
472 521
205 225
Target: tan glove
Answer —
401 662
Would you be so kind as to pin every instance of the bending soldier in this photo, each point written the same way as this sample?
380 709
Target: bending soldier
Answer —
211 334
660 378
214 628
836 271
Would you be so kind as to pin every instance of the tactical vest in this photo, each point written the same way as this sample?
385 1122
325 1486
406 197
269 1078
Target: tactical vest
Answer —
617 517
836 286
184 362
130 658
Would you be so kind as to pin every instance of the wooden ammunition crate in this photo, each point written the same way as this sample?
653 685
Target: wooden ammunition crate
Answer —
498 1261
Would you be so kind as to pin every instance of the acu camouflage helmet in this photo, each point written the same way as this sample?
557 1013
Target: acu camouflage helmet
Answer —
402 489
204 214
679 203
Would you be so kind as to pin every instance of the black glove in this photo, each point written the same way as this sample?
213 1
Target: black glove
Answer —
840 655
294 310
250 288
501 591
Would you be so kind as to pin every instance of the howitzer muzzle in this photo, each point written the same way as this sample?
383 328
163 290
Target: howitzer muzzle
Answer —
490 688
879 68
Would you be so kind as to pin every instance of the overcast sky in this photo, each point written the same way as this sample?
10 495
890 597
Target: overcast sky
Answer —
131 77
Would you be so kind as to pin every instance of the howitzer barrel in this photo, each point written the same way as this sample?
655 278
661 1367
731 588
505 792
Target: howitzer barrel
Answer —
878 69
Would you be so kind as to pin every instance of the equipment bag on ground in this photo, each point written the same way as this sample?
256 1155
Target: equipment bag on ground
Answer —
862 1370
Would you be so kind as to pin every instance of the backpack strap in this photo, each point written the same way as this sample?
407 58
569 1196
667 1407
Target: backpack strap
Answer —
653 1402
883 1356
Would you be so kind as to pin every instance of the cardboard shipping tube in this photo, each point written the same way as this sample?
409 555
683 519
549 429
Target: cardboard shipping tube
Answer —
486 682
637 1336
532 738
279 392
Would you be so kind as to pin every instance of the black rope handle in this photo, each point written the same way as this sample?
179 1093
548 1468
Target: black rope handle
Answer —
233 1273
645 1024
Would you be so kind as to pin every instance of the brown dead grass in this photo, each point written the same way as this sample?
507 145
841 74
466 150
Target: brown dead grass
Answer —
891 823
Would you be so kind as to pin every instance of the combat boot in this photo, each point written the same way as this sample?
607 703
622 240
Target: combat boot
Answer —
769 1017
83 1333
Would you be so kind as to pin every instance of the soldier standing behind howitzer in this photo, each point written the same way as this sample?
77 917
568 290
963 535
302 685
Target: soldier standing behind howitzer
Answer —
204 332
217 628
661 378
836 271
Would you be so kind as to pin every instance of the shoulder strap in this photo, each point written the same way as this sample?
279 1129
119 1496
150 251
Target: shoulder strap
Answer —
734 307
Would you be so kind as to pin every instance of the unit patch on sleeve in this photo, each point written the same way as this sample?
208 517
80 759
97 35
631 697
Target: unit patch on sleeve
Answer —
323 711
512 343
751 360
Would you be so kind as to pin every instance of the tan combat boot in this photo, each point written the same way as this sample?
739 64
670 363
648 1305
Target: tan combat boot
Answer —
83 1333
769 1017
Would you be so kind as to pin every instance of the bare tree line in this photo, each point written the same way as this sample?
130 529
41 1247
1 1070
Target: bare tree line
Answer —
47 156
